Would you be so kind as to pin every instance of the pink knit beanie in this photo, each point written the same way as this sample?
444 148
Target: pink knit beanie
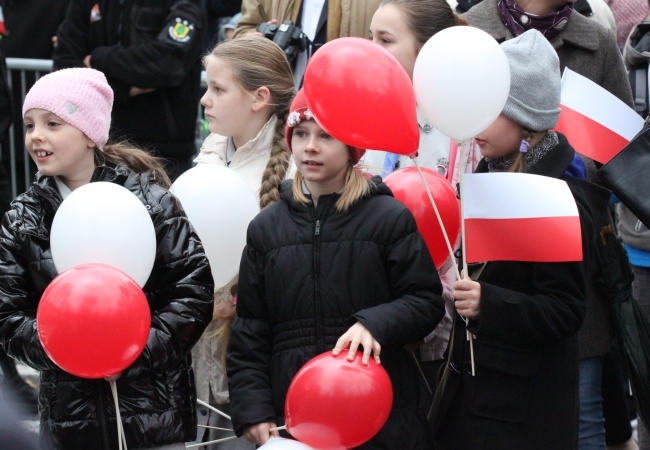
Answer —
298 112
80 97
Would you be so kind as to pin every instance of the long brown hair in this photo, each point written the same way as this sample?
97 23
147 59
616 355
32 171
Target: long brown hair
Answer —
260 63
135 159
257 62
426 17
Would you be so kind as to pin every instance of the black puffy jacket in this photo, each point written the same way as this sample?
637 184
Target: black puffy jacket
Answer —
156 393
307 274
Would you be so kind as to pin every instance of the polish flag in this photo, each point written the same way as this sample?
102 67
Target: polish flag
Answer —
519 217
596 122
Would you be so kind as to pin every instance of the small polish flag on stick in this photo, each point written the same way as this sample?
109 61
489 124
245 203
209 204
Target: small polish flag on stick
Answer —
596 122
519 217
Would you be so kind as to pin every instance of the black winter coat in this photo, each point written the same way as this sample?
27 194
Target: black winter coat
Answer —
525 392
157 393
307 274
153 44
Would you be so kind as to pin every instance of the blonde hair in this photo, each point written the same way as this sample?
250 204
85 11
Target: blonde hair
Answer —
260 63
135 159
355 188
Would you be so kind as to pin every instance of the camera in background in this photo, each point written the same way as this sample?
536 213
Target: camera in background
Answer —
287 36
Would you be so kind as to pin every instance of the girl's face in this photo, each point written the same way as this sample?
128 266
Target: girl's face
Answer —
58 148
501 139
390 30
228 107
322 160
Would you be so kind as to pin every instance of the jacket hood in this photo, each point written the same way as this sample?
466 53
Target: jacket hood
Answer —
632 55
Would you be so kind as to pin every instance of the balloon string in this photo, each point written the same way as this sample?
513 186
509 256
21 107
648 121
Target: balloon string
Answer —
283 427
435 209
461 171
201 444
212 408
215 428
120 429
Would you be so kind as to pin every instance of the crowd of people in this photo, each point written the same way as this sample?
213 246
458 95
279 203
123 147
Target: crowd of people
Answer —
332 262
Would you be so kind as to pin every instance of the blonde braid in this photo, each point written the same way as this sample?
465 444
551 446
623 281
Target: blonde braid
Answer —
276 169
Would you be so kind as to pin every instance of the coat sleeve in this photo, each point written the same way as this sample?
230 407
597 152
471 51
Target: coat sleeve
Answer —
249 350
157 63
418 306
18 303
552 314
179 290
253 13
73 40
615 78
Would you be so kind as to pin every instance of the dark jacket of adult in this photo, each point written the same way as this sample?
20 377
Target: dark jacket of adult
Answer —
31 25
590 50
308 274
525 391
148 44
156 393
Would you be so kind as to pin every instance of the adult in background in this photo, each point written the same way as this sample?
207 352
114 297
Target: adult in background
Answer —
320 20
150 54
635 234
30 26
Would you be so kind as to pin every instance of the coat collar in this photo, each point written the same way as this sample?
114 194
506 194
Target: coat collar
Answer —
37 207
254 149
581 32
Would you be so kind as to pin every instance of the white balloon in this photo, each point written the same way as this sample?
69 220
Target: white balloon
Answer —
220 205
279 443
461 80
106 223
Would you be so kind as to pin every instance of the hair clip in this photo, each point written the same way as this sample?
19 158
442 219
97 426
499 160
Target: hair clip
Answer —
524 146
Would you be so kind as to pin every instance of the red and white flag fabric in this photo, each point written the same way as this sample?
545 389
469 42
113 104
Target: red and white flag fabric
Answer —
596 122
519 217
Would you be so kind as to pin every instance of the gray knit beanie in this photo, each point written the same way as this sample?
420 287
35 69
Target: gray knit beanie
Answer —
534 97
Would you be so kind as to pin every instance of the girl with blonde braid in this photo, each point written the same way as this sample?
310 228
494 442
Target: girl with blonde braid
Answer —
250 88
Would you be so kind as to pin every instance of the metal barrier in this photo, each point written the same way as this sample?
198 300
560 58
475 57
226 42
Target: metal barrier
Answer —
21 75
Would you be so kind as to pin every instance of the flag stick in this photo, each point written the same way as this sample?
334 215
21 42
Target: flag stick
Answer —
461 171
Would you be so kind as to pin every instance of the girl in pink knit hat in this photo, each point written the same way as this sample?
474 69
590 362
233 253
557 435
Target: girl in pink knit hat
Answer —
336 265
67 117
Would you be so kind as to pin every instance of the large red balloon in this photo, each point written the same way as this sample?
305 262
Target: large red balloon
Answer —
408 188
361 95
93 320
333 403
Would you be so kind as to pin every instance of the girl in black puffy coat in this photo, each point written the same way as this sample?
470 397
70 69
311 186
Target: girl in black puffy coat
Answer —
338 264
67 118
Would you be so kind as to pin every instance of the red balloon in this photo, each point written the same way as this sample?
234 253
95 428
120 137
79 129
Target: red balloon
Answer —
361 95
336 403
93 320
408 188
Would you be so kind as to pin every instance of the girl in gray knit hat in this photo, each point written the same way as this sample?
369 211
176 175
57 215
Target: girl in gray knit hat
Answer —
525 315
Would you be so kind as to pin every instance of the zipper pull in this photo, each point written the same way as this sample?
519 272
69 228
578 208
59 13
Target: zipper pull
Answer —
317 230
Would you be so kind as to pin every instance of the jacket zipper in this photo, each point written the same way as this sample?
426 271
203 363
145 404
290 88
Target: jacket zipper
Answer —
101 416
318 307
